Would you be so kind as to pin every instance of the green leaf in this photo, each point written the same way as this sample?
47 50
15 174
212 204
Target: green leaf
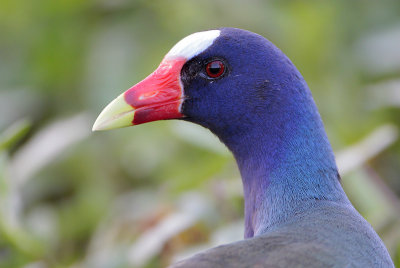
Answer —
14 133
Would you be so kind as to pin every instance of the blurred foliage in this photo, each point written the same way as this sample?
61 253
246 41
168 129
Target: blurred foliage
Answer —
70 198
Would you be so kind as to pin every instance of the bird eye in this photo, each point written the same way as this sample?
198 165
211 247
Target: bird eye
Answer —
215 68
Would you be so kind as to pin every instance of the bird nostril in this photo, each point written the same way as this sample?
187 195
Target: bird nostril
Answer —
148 95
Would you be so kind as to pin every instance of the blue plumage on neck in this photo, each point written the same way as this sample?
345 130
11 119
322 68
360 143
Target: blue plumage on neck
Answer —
285 160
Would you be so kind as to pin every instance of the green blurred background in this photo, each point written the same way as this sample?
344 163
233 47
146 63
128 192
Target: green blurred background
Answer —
148 195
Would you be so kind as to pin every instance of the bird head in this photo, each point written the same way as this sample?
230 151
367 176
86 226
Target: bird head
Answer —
228 80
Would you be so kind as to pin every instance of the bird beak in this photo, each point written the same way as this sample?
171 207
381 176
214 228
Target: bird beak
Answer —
159 96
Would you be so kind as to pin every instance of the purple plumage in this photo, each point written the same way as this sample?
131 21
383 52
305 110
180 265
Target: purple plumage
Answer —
296 212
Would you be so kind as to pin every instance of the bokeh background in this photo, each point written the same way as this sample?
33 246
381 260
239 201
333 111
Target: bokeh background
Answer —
149 195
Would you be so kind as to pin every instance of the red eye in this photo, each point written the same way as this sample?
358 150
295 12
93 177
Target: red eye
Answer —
215 69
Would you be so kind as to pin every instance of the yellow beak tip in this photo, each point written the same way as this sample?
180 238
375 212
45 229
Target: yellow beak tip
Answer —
117 114
96 127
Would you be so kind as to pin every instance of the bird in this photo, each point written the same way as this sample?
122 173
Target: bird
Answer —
247 92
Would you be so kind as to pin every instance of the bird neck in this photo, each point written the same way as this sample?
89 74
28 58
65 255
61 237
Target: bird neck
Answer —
286 164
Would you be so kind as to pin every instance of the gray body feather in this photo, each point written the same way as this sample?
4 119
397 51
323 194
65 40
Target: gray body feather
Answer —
327 235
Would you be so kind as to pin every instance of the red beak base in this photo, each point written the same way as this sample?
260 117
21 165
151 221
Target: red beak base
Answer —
159 96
